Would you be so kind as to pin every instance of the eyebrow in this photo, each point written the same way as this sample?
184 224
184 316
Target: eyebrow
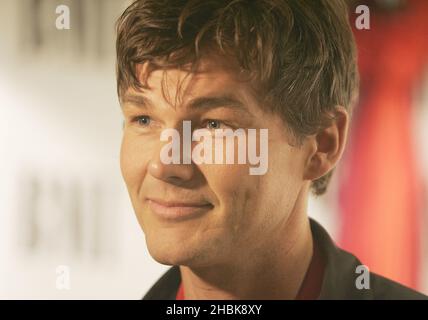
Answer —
137 100
206 103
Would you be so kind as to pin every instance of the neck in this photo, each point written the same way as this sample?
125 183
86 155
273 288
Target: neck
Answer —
276 271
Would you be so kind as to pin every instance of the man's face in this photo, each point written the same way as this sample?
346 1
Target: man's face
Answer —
233 214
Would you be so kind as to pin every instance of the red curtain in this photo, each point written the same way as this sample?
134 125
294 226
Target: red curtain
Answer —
380 191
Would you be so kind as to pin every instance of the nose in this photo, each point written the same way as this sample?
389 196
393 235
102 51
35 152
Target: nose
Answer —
172 173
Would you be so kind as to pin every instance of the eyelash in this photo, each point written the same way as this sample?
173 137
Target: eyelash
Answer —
205 123
138 118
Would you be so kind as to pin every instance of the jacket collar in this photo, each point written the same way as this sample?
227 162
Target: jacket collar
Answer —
338 279
340 268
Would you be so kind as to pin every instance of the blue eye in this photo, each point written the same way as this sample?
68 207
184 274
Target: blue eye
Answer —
214 124
143 121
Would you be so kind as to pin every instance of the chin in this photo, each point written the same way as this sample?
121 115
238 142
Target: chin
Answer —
168 252
173 253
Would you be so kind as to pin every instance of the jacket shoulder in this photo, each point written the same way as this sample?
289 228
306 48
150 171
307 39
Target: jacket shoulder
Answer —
166 287
387 289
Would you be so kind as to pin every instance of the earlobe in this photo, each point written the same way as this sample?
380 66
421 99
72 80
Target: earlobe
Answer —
317 166
329 144
312 160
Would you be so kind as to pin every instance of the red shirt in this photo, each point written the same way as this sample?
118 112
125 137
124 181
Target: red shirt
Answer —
311 285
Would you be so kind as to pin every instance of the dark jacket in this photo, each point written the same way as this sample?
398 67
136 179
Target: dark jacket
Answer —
339 277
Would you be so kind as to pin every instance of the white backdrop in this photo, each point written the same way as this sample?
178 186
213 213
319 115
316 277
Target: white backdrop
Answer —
62 199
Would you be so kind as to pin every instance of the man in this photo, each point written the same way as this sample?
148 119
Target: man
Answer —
288 67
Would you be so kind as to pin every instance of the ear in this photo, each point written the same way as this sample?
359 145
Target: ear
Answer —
327 146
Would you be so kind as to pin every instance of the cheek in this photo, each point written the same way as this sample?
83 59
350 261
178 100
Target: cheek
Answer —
224 179
237 193
284 177
286 162
133 162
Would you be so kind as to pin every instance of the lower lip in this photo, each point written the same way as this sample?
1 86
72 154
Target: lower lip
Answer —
177 212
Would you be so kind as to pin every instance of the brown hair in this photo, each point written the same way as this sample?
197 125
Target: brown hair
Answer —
302 52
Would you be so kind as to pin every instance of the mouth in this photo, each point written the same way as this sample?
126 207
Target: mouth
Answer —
178 210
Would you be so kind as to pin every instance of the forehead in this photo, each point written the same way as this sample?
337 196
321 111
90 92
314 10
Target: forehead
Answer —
212 76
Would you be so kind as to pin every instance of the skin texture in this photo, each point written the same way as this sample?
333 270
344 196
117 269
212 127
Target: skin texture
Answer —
253 240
